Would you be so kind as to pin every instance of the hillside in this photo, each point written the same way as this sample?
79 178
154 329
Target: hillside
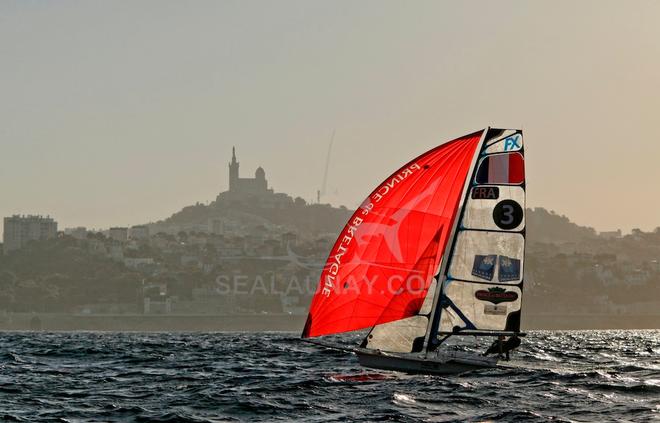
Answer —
313 219
546 226
240 217
273 253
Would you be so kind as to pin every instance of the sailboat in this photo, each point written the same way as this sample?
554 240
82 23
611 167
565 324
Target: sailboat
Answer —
435 251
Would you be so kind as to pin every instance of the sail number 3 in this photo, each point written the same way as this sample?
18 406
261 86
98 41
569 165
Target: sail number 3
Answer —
507 214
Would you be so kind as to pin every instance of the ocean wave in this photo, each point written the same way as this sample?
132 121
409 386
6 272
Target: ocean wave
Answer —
216 377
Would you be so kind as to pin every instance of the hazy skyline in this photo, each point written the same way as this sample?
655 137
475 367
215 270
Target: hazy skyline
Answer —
120 113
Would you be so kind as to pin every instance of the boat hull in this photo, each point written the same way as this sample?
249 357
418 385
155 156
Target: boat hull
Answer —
440 365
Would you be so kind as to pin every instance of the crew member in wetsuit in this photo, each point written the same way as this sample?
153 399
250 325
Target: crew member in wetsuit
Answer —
502 347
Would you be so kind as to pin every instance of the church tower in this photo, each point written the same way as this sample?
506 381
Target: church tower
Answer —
233 171
260 183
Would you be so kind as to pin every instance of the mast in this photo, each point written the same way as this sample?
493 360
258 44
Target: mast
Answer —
436 310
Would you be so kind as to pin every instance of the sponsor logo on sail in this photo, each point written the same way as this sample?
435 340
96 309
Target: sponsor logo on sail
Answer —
511 143
496 295
509 269
484 266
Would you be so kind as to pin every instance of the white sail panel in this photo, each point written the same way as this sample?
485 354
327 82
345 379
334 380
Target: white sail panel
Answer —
495 207
427 305
513 142
483 306
500 135
483 286
488 257
399 335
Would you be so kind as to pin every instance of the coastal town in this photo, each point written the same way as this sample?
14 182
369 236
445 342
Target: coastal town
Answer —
252 259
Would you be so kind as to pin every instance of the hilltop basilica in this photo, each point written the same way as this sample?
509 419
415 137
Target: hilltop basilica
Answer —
251 190
256 186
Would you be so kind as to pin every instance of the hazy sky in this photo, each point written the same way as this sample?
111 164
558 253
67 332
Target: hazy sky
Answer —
119 113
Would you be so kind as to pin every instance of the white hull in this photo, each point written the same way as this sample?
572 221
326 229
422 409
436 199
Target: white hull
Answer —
442 363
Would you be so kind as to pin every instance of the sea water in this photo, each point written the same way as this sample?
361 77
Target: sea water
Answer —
216 377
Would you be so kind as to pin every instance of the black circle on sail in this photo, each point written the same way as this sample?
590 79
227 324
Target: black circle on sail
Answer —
507 214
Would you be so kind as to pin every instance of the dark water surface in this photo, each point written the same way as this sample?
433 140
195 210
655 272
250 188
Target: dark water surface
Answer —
213 377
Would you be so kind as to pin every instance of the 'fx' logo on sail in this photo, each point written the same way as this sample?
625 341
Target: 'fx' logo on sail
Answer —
511 143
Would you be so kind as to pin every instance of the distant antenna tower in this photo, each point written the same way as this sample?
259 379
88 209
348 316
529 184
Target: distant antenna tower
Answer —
321 192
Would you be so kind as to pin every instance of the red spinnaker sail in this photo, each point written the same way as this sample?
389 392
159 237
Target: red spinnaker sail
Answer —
382 264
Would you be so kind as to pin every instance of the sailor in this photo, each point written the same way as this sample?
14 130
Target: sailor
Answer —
496 347
511 344
503 347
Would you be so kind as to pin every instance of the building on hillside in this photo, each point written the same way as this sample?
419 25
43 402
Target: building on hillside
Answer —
78 233
155 298
136 263
611 234
637 277
655 265
256 185
19 230
289 239
139 233
252 191
115 252
118 234
216 226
